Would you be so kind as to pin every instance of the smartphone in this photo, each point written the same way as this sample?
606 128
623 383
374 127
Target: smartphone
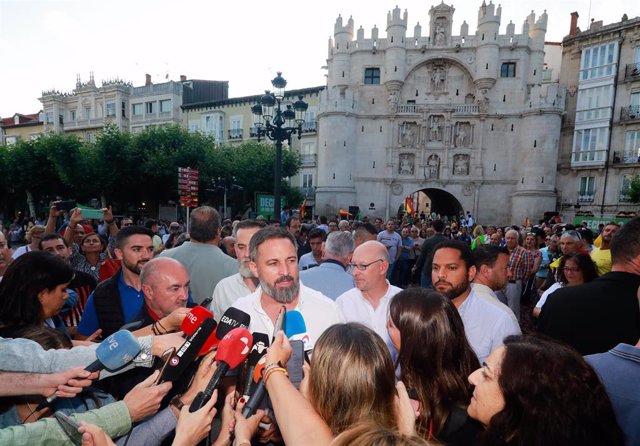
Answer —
279 322
294 365
96 214
66 205
164 361
69 427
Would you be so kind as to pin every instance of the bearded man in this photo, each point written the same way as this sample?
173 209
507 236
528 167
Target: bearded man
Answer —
274 262
243 283
486 321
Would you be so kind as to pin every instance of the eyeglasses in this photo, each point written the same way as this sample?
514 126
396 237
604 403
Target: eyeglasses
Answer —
124 225
363 266
569 269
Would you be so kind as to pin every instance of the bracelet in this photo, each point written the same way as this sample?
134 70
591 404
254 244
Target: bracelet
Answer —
271 366
109 222
271 371
162 326
155 330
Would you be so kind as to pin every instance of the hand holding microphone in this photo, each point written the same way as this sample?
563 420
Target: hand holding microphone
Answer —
232 350
116 351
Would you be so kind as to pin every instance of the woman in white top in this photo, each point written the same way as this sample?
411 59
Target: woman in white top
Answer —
574 269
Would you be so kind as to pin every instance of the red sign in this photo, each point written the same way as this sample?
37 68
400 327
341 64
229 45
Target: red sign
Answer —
188 186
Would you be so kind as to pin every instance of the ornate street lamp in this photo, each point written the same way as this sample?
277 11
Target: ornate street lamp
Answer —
271 121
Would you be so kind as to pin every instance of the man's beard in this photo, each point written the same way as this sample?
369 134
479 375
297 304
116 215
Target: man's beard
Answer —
135 268
282 295
455 291
244 270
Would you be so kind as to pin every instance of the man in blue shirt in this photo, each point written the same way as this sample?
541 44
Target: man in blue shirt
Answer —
118 300
331 278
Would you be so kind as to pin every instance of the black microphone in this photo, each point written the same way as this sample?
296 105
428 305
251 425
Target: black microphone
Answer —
260 391
188 352
232 318
116 351
260 345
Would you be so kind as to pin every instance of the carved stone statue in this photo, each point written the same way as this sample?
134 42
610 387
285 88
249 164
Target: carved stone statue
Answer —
406 164
393 101
463 135
433 167
434 129
438 77
461 165
408 134
440 36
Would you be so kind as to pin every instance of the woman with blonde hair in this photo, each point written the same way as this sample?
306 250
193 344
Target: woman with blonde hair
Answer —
478 237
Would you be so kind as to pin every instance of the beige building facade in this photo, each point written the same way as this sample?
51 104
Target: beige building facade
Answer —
464 117
600 141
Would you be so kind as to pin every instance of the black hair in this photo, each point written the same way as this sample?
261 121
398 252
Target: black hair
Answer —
24 279
465 251
625 245
48 237
317 233
205 223
487 255
128 231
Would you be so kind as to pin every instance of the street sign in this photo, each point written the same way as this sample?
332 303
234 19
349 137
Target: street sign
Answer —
188 186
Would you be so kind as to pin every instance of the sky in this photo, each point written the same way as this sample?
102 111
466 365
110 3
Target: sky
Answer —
44 44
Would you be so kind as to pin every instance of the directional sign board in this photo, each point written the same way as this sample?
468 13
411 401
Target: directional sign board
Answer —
188 186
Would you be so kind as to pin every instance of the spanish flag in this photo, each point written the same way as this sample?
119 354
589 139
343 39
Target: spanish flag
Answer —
303 208
408 205
344 213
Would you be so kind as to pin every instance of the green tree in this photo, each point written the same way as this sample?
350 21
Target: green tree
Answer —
634 190
31 172
115 166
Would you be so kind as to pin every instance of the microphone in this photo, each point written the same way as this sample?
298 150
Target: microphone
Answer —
116 351
192 320
296 330
260 345
187 353
260 391
232 350
232 318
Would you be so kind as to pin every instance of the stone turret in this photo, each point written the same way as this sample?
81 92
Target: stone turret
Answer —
537 32
340 73
487 52
396 53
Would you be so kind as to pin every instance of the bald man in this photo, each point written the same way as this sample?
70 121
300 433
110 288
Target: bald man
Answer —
368 302
165 287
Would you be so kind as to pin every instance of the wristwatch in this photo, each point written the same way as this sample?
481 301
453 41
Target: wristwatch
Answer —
176 402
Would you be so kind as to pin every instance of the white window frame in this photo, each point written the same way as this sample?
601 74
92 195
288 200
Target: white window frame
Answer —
586 189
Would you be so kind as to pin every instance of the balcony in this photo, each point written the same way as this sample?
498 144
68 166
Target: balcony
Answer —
309 126
308 192
630 113
410 108
467 109
593 158
626 157
309 160
632 72
586 198
234 134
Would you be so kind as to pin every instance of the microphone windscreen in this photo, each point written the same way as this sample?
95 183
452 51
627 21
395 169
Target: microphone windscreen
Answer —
296 329
234 347
194 318
118 350
259 348
186 354
257 372
232 318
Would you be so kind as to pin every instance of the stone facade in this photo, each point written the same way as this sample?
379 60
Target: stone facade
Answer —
466 118
600 141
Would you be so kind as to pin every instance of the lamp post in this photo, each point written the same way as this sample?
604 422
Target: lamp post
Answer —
271 121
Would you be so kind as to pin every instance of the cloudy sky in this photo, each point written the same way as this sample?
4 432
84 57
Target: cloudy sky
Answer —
45 43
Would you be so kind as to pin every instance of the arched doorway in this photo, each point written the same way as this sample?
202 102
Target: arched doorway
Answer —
436 200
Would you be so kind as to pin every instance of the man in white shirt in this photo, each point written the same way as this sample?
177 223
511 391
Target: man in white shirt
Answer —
275 262
486 320
368 303
243 283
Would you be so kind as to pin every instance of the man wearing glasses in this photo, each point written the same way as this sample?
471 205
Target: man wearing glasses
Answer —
368 303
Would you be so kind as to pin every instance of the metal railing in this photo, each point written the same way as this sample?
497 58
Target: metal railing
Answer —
309 159
632 71
585 198
235 133
626 157
630 113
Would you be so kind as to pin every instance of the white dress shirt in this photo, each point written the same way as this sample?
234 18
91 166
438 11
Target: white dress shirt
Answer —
227 291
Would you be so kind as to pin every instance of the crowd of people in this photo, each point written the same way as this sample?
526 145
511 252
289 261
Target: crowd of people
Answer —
417 330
